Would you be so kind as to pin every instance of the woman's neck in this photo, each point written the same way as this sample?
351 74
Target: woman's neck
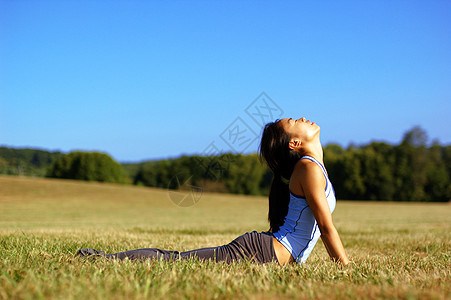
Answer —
314 150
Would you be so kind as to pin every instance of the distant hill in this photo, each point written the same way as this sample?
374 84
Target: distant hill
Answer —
35 162
25 161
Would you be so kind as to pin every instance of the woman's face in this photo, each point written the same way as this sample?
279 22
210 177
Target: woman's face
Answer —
300 129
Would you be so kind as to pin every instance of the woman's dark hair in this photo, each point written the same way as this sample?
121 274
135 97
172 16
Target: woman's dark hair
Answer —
281 160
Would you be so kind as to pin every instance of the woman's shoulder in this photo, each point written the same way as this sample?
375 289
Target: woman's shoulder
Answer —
304 163
306 174
307 169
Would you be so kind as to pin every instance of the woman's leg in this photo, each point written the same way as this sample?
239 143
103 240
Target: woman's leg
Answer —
149 253
253 246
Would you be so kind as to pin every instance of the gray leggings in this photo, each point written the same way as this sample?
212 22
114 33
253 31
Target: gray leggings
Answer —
252 246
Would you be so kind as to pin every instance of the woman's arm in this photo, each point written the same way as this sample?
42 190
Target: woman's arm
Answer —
313 184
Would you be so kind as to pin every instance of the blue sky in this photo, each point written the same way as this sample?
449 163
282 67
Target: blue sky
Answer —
154 79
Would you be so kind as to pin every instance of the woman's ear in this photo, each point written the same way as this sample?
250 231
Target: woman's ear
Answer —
294 144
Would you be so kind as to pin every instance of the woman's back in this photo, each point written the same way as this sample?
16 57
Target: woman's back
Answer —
300 232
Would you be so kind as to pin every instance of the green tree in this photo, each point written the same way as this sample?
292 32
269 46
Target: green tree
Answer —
437 187
416 137
447 159
376 161
29 162
90 166
411 173
246 173
350 182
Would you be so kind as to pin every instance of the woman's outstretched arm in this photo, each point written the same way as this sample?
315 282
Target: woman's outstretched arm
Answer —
313 184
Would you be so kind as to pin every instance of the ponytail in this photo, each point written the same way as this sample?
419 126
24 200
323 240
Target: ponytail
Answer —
279 198
274 150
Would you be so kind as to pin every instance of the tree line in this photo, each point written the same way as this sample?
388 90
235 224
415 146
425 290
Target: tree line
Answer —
27 162
410 171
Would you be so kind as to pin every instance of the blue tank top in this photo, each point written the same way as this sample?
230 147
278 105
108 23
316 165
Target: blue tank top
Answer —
299 233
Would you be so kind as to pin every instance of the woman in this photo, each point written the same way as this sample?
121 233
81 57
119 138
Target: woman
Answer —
301 200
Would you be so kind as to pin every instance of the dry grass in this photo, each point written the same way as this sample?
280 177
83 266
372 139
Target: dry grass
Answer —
398 250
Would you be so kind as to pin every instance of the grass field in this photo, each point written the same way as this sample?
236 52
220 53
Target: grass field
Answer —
398 250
